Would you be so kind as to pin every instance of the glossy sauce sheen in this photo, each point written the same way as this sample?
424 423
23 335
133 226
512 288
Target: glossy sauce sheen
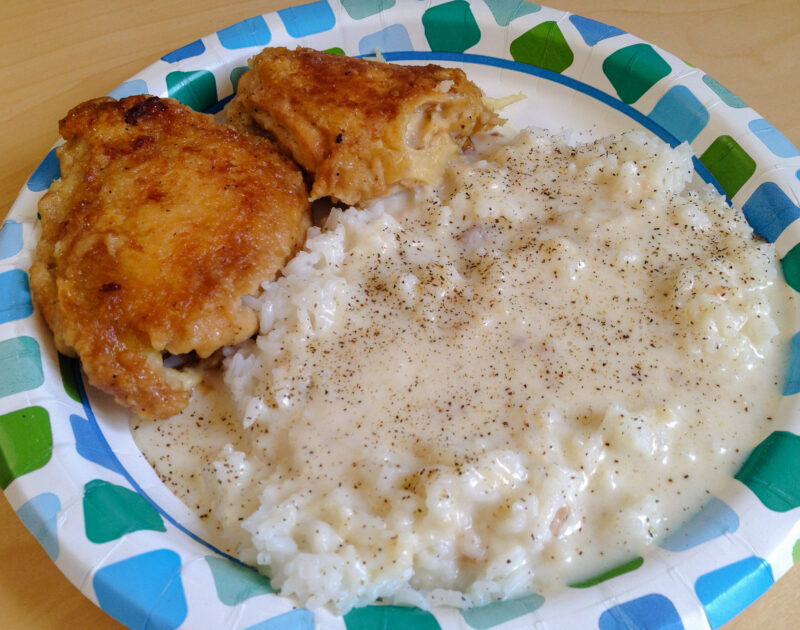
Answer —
509 384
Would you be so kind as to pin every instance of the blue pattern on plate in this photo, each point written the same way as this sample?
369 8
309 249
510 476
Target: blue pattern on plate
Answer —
714 520
144 591
129 88
15 296
91 445
192 49
40 516
393 38
10 238
726 592
308 19
773 139
592 31
792 385
651 612
47 171
252 32
293 620
681 113
769 210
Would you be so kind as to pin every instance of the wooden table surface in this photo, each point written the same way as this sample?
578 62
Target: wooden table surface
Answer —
57 54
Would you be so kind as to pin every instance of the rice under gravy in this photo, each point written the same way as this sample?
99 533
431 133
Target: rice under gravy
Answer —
499 387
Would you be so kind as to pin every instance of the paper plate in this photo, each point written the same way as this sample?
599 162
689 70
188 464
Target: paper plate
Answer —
71 471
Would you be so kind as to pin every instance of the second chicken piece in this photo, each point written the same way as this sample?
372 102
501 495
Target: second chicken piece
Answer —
360 127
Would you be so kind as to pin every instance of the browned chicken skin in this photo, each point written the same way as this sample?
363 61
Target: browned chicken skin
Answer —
360 127
161 222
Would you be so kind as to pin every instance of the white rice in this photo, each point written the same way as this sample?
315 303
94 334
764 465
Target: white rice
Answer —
506 385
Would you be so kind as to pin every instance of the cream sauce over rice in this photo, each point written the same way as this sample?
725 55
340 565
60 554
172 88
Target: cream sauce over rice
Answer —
506 385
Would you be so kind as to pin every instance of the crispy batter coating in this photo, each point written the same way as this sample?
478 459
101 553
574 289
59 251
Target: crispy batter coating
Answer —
359 126
161 222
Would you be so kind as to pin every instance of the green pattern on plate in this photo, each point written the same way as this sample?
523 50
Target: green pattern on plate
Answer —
451 27
68 377
772 471
791 267
729 163
26 443
374 617
111 511
796 552
236 74
197 89
627 567
235 582
633 70
543 46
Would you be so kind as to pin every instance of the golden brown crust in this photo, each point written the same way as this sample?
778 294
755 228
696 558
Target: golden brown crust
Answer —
162 220
359 126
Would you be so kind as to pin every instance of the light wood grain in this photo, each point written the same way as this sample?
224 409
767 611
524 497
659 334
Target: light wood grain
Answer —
56 54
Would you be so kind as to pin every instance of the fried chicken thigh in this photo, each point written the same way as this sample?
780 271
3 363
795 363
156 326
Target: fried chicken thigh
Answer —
161 222
360 127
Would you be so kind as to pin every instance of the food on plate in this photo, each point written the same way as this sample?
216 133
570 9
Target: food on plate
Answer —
511 382
360 127
162 221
